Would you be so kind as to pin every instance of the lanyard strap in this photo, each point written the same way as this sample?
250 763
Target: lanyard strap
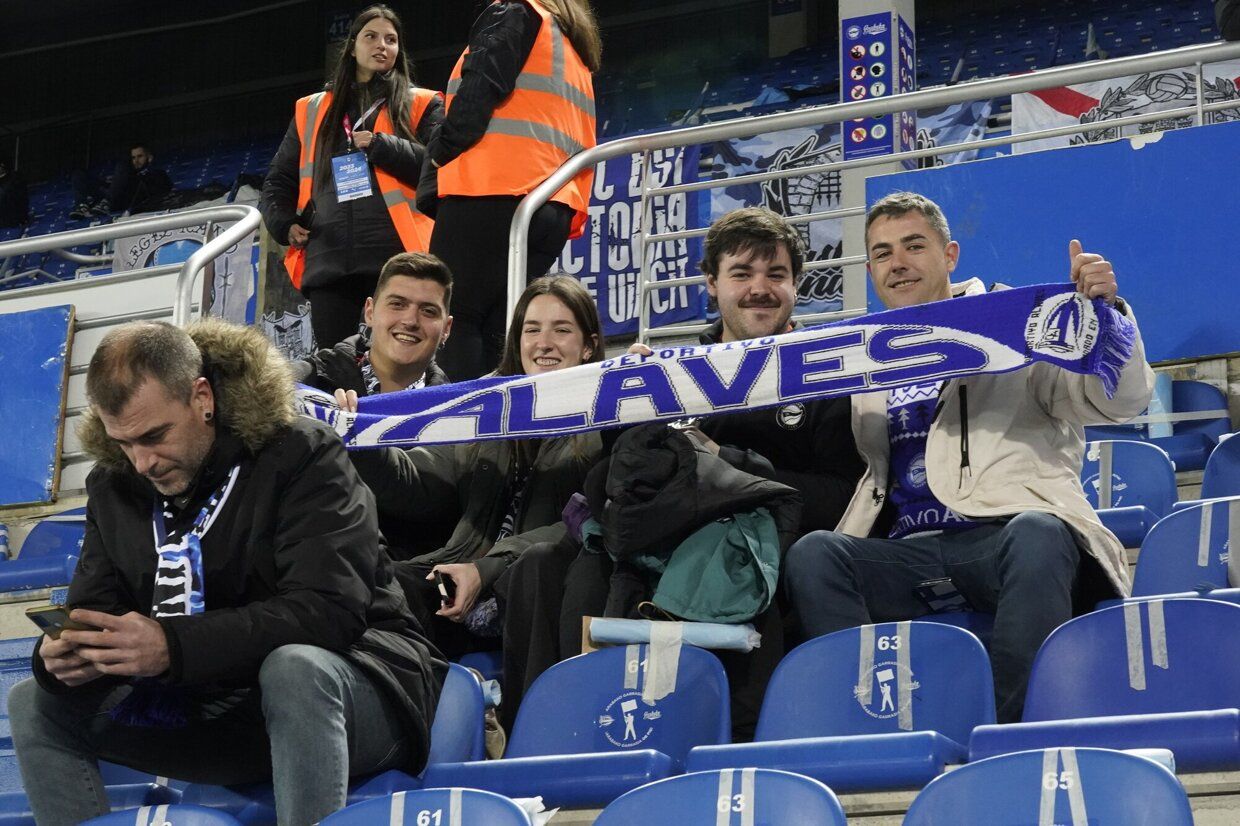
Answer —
348 125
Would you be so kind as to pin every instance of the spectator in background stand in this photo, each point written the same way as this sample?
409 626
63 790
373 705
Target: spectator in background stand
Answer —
14 201
342 224
520 102
136 186
1227 15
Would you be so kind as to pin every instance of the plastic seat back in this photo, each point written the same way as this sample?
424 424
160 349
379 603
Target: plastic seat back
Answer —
1187 550
1138 658
1070 786
746 796
58 535
905 676
168 815
1195 397
1222 473
1119 474
432 807
595 703
458 731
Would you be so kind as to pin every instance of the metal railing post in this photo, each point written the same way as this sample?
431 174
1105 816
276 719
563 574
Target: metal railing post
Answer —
745 127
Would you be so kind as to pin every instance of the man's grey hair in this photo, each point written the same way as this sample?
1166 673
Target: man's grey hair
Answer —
898 204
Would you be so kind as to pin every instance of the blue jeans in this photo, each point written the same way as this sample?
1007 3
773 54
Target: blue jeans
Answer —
1022 570
315 720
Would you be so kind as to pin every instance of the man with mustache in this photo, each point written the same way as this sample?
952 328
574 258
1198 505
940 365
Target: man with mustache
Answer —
753 260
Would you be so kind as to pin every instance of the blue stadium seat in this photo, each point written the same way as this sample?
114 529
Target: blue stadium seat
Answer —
1120 476
15 808
1222 474
1053 786
457 735
432 806
1157 674
1192 440
747 796
584 734
881 706
48 555
977 623
490 664
174 815
1187 550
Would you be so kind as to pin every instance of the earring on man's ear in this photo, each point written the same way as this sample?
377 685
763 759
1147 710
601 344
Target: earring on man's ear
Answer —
206 417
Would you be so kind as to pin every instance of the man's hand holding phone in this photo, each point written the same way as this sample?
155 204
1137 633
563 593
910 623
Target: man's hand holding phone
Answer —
132 645
457 598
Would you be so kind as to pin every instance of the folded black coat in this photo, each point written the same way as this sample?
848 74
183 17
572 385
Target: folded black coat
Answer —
657 487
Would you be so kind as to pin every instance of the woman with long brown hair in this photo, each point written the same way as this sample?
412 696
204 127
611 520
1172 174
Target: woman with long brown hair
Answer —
341 190
520 102
493 497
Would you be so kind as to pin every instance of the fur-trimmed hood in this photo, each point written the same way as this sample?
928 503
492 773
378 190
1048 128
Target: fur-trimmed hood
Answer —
251 381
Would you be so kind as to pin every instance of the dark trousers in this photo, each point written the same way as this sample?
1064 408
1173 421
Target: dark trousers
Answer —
471 236
552 588
544 596
1023 570
336 308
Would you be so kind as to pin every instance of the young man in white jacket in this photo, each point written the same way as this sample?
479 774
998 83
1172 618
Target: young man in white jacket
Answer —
975 479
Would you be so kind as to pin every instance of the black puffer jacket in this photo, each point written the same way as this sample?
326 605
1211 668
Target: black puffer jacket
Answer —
293 557
341 367
356 238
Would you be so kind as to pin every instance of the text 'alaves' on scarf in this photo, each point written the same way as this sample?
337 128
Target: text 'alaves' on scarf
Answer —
992 333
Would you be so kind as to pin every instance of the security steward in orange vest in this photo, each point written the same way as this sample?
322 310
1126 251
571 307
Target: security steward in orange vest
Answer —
341 190
520 102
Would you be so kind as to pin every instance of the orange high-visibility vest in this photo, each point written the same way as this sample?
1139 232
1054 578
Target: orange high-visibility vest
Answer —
548 118
412 226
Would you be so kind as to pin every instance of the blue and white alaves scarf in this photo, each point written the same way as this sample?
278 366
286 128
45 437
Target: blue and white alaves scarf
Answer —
992 333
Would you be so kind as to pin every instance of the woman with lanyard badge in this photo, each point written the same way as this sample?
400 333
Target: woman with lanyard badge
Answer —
341 188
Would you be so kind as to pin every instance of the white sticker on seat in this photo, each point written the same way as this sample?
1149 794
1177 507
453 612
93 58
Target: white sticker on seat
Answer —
1136 652
1158 634
748 801
865 666
396 815
1203 535
662 660
905 675
723 800
1233 534
1046 804
1104 474
1071 778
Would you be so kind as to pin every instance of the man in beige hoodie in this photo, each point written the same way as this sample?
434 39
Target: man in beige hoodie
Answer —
973 482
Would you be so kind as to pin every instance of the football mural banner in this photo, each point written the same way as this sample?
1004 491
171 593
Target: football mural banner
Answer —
606 258
822 290
992 333
1105 100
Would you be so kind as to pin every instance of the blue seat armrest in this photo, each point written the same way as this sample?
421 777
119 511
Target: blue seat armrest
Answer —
569 780
1200 740
900 760
1220 594
1129 524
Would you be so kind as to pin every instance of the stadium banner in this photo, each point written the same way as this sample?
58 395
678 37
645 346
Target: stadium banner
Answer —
606 257
992 333
822 290
1105 100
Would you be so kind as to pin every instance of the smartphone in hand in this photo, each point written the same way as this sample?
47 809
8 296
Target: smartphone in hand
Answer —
52 619
447 588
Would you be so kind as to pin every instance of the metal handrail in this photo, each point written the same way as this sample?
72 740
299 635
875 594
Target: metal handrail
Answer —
744 127
247 220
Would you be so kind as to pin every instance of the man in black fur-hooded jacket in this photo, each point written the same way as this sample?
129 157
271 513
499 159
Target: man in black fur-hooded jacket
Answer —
251 625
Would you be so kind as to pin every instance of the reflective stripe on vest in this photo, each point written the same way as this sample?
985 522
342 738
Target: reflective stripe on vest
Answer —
548 118
412 226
